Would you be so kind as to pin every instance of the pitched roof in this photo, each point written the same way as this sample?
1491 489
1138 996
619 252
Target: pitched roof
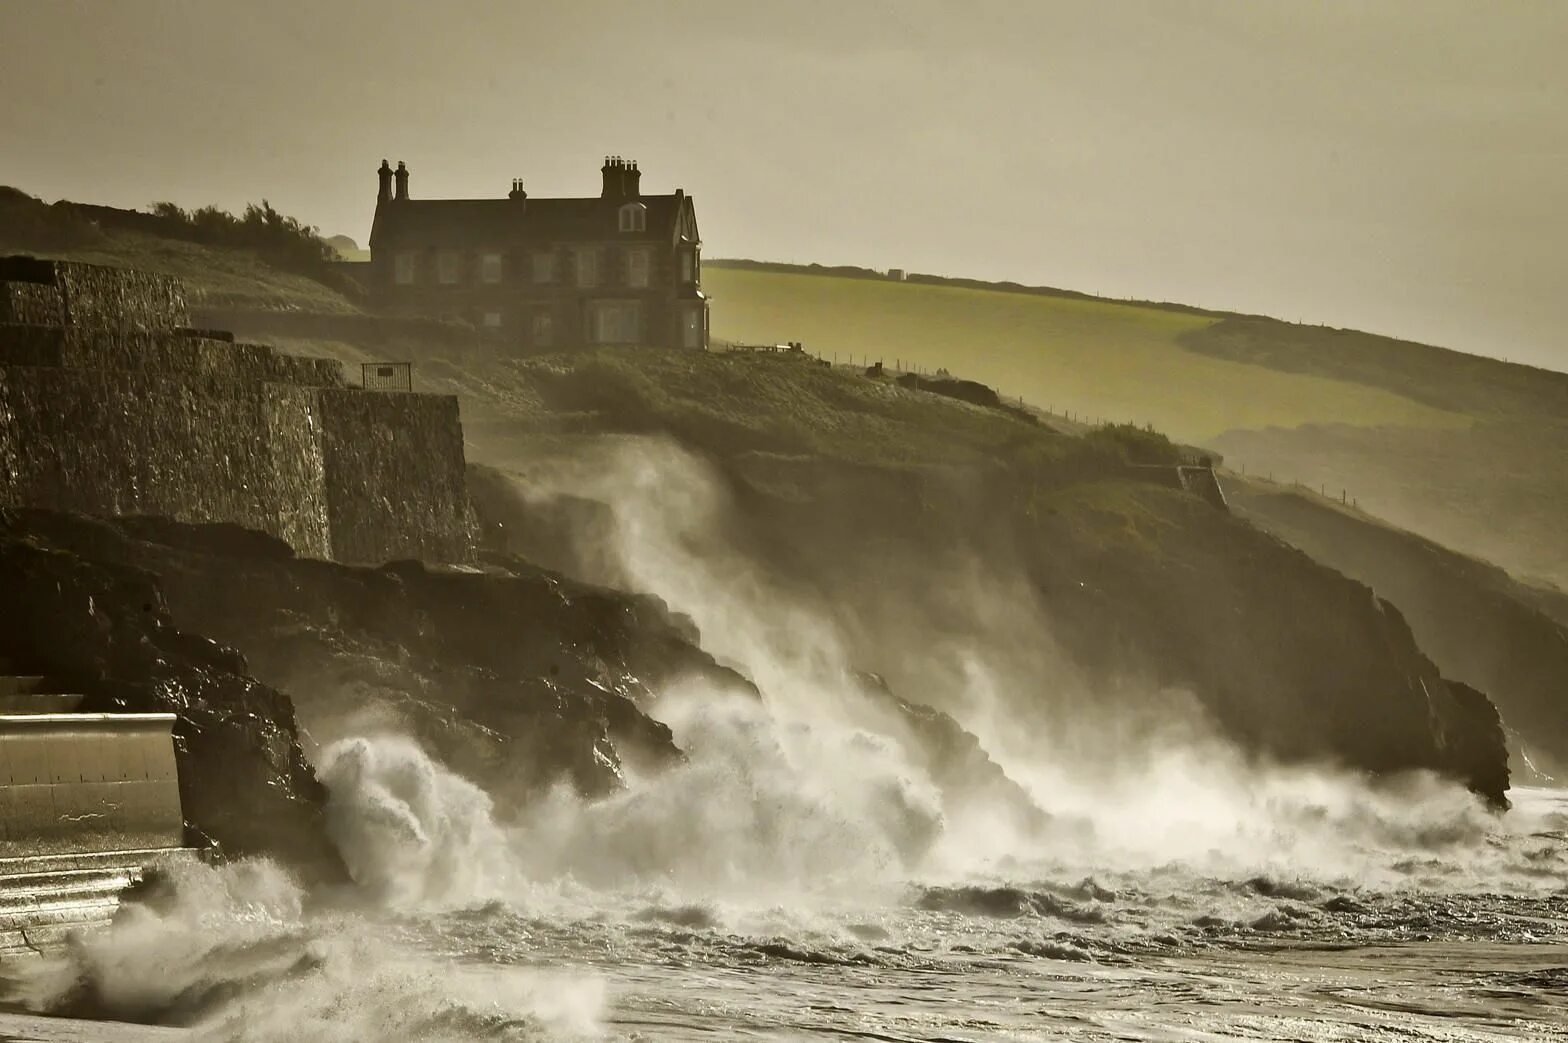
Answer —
494 222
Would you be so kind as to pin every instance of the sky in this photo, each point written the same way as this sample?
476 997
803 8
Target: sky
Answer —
1396 166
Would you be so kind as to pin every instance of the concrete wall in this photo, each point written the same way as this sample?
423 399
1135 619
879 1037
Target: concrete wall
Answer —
88 782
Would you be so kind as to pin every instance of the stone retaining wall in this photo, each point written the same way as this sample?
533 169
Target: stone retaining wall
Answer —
196 448
93 295
161 351
395 476
113 407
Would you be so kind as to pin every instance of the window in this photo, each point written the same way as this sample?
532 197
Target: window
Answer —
492 320
490 268
403 264
543 329
634 218
688 266
448 264
544 268
615 322
587 267
637 264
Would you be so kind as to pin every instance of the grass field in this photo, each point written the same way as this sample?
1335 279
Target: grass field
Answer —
1096 358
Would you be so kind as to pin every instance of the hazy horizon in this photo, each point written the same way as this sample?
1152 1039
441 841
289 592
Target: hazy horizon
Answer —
1392 168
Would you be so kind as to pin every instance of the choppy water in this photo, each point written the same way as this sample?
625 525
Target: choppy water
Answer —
802 875
1161 953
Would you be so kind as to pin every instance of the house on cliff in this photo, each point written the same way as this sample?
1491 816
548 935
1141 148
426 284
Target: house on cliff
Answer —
618 268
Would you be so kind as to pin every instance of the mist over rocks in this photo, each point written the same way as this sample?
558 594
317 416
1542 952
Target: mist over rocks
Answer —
515 676
956 761
995 570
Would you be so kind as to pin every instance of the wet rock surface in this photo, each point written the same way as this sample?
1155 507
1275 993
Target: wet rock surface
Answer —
511 674
102 628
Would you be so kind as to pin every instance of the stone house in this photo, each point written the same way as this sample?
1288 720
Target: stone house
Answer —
618 268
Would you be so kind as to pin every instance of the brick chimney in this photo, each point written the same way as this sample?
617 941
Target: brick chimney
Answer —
632 181
384 176
402 180
614 171
517 191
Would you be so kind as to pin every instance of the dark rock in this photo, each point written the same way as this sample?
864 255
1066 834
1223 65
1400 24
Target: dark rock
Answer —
514 676
102 628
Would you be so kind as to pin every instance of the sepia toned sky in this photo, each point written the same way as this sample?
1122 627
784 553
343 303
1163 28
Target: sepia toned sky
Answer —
1399 166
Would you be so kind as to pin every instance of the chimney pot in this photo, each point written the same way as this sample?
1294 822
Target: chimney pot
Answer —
401 174
614 172
384 182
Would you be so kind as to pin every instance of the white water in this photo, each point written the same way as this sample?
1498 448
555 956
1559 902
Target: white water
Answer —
802 877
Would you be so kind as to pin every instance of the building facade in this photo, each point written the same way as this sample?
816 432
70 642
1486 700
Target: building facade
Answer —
618 268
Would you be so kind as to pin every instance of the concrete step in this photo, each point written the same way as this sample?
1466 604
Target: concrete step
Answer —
32 865
39 939
39 702
44 898
27 896
39 1029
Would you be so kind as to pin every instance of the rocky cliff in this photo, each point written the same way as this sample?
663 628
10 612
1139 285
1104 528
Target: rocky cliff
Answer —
1143 591
513 675
1478 623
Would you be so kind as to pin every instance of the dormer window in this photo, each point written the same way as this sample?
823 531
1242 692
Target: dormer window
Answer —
634 218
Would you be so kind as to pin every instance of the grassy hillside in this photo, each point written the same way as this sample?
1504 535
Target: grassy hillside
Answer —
1468 451
1100 358
213 276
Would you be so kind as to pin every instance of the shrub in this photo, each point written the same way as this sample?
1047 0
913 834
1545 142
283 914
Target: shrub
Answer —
1136 445
282 241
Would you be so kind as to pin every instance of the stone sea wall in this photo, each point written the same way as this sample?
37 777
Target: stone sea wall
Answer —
70 294
394 475
195 448
114 407
161 351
